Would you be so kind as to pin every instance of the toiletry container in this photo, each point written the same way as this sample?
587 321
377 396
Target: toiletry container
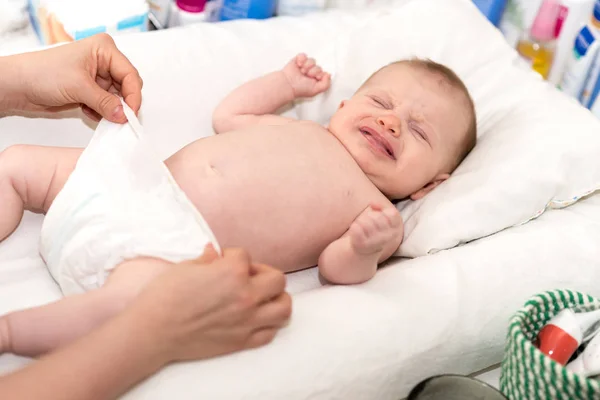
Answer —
592 84
573 15
582 60
492 9
159 12
189 12
517 18
255 9
538 45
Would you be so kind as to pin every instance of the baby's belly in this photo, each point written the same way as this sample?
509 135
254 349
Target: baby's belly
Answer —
283 196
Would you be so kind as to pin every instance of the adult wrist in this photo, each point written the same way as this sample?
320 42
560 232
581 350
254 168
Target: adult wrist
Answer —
152 339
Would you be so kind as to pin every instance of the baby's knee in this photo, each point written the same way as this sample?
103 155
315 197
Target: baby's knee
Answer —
11 159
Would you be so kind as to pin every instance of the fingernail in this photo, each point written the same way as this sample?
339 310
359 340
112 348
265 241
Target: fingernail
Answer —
118 112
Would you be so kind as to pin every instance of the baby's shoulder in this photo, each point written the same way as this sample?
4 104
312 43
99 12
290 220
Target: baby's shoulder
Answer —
306 124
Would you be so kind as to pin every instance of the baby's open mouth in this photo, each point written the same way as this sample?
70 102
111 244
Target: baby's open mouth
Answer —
378 142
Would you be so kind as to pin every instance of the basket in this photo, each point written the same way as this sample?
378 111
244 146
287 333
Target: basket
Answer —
527 373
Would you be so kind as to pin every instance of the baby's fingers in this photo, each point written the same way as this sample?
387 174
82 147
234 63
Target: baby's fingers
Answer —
314 72
308 64
300 59
393 216
324 82
381 221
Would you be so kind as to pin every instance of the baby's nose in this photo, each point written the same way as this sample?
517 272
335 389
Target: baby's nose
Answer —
390 123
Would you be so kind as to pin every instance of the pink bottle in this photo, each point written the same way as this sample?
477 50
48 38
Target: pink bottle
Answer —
537 47
190 11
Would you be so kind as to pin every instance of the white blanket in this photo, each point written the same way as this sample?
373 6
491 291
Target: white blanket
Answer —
442 313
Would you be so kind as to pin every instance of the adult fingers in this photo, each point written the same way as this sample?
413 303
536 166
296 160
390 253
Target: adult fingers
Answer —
121 71
209 255
104 103
90 113
275 313
131 90
261 337
266 282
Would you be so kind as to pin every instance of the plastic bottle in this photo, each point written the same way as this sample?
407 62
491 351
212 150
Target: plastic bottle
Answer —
592 85
255 9
562 335
159 12
595 109
492 9
573 15
188 12
579 65
538 46
517 18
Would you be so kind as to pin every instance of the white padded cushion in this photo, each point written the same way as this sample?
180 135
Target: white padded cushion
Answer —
537 148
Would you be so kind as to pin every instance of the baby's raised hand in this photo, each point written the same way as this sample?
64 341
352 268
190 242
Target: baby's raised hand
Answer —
374 228
306 78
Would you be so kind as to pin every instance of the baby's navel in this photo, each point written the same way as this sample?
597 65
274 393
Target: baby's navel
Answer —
211 170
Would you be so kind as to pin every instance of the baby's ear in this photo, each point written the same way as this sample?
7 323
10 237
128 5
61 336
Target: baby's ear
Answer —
419 194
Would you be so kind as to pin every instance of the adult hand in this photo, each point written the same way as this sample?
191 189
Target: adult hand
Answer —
90 73
212 306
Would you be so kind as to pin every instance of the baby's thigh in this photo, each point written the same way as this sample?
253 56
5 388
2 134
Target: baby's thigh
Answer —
131 276
38 173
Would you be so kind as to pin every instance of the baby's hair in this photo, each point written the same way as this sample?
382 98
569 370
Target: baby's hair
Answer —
468 141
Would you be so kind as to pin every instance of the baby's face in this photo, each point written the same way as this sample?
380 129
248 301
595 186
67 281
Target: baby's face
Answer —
402 128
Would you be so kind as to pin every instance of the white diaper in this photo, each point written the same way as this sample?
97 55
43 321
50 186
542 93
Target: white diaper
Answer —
119 203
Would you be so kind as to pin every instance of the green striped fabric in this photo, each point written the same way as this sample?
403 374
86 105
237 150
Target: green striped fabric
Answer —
527 374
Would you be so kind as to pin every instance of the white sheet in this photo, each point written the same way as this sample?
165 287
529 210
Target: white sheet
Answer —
442 313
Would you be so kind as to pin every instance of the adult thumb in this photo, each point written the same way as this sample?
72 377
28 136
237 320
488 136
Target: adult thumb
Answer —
106 104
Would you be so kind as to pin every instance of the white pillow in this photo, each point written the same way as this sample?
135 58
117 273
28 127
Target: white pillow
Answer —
537 148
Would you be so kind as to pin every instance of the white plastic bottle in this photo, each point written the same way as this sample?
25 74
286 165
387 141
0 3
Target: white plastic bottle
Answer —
590 90
159 12
595 109
584 51
574 14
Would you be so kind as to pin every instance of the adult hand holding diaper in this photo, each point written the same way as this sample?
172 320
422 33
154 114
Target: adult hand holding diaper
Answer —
76 70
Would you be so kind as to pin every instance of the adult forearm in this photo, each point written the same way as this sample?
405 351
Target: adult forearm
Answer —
102 365
341 264
11 83
264 95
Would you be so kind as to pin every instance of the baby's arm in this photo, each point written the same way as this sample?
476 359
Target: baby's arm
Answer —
372 238
255 102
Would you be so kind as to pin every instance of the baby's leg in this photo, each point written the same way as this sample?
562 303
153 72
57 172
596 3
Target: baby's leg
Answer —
30 179
39 330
